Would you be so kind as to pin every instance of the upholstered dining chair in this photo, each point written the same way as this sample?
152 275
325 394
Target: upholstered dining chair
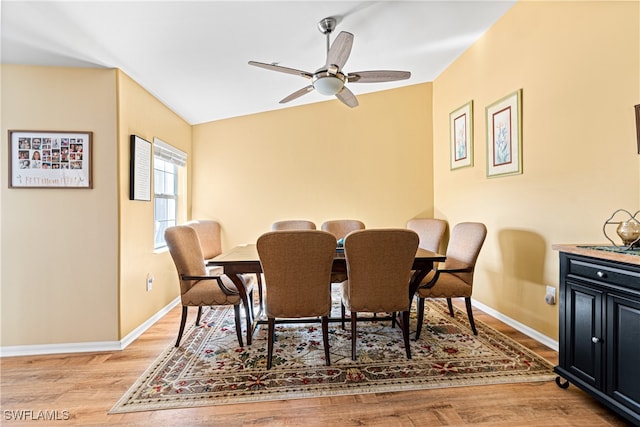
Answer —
210 237
197 287
454 277
379 265
297 270
293 224
340 228
430 231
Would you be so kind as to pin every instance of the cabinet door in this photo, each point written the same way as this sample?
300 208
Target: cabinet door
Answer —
584 339
623 350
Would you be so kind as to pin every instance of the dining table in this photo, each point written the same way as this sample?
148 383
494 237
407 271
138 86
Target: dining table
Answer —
244 259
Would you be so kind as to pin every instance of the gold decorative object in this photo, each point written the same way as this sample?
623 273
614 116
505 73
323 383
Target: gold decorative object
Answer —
628 230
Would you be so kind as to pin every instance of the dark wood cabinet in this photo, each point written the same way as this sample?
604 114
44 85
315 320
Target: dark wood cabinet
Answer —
599 337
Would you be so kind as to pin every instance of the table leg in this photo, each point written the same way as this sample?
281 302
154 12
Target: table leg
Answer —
417 277
245 301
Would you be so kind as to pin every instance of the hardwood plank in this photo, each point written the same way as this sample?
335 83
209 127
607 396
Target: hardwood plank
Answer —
87 385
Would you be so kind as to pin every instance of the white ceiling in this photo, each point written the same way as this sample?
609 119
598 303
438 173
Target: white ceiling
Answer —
192 55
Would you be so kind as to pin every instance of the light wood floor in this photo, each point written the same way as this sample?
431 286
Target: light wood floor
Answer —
87 385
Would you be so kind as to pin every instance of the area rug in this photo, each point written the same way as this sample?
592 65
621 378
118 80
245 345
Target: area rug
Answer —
209 368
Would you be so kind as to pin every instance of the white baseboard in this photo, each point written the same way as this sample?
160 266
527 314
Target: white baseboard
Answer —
551 343
85 347
133 335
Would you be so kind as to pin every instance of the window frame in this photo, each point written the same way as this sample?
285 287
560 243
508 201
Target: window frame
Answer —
171 160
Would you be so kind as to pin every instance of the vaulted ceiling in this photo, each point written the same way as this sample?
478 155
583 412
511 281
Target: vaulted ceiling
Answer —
192 55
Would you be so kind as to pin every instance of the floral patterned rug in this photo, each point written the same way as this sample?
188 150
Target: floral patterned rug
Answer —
210 369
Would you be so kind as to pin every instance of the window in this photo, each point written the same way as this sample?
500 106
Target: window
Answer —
166 161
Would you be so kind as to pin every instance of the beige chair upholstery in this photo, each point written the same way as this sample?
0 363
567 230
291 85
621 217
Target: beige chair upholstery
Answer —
297 270
341 227
209 233
293 224
379 265
210 237
454 277
197 287
430 231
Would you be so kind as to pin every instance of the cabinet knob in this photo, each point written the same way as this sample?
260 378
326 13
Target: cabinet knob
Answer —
595 340
601 274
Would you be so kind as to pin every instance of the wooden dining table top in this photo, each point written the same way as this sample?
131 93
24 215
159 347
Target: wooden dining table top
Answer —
245 259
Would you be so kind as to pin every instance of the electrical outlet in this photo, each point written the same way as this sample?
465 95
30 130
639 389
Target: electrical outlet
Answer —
550 296
149 282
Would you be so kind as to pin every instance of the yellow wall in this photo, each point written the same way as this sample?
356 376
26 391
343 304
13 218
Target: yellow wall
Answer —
318 162
59 246
75 261
143 115
578 64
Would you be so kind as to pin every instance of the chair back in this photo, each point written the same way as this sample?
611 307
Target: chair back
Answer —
430 231
464 247
297 271
341 227
184 247
293 224
379 263
208 232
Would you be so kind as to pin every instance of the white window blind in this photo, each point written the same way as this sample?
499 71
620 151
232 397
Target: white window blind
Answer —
169 153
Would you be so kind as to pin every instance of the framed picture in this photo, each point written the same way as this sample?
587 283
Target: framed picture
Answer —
50 159
504 136
461 136
140 169
637 107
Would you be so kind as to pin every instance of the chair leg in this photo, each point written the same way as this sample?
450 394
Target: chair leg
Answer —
272 326
450 307
467 302
342 310
420 317
248 318
259 277
405 332
183 321
253 316
325 339
353 334
199 315
393 319
236 311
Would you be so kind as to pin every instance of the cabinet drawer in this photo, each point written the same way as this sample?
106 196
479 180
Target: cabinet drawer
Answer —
604 272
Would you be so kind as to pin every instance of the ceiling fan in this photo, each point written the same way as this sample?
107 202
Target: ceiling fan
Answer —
330 79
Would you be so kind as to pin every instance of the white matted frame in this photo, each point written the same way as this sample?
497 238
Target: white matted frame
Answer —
50 159
461 136
504 136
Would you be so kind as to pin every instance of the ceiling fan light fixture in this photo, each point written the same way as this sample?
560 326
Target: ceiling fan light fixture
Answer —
328 85
330 80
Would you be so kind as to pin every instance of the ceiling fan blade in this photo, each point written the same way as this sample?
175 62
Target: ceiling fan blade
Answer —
281 69
377 76
347 97
297 94
340 50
